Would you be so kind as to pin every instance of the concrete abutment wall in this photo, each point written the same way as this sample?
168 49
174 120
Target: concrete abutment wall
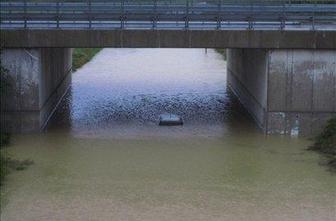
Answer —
291 92
37 80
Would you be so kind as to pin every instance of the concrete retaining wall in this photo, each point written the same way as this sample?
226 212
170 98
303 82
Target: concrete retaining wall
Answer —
301 91
248 80
290 92
37 78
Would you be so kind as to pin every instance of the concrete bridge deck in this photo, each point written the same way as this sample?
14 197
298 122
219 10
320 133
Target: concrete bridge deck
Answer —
268 39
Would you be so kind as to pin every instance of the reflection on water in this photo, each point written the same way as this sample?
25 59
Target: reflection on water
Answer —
104 157
123 92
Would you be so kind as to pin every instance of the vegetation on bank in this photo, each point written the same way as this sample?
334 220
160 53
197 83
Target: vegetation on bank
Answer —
3 159
7 163
325 143
81 56
4 137
222 52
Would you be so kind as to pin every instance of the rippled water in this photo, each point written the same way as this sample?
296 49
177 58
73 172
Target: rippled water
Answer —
104 157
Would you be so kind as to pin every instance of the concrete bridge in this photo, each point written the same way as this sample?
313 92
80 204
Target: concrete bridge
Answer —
281 57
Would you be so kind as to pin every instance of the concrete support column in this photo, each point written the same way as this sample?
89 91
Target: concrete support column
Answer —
37 79
290 92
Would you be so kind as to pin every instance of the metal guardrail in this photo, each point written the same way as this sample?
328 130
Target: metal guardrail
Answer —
168 14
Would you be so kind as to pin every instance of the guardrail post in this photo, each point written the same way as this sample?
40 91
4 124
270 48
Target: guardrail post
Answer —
154 18
283 16
10 13
191 10
313 17
25 13
89 14
122 16
250 17
186 25
219 19
57 13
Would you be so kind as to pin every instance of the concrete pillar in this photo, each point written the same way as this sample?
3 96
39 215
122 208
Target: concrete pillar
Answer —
38 78
290 92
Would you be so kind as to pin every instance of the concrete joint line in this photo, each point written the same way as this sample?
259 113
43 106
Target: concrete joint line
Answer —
56 89
246 90
30 55
302 112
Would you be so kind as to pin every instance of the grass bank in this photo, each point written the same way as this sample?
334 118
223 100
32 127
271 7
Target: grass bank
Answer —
325 143
222 52
81 56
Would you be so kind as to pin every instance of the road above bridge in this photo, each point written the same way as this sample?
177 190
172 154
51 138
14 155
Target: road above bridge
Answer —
165 24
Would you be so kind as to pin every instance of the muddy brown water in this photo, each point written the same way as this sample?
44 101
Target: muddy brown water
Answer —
104 157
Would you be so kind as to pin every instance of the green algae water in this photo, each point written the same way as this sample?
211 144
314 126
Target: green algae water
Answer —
104 157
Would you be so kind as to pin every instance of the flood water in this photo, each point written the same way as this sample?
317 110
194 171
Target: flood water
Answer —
104 157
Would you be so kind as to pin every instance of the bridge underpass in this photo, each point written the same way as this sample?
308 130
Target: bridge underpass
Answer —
284 75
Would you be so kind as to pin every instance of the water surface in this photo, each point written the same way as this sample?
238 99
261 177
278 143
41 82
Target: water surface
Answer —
103 156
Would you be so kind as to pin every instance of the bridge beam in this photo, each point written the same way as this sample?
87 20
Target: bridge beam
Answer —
290 92
37 80
92 38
